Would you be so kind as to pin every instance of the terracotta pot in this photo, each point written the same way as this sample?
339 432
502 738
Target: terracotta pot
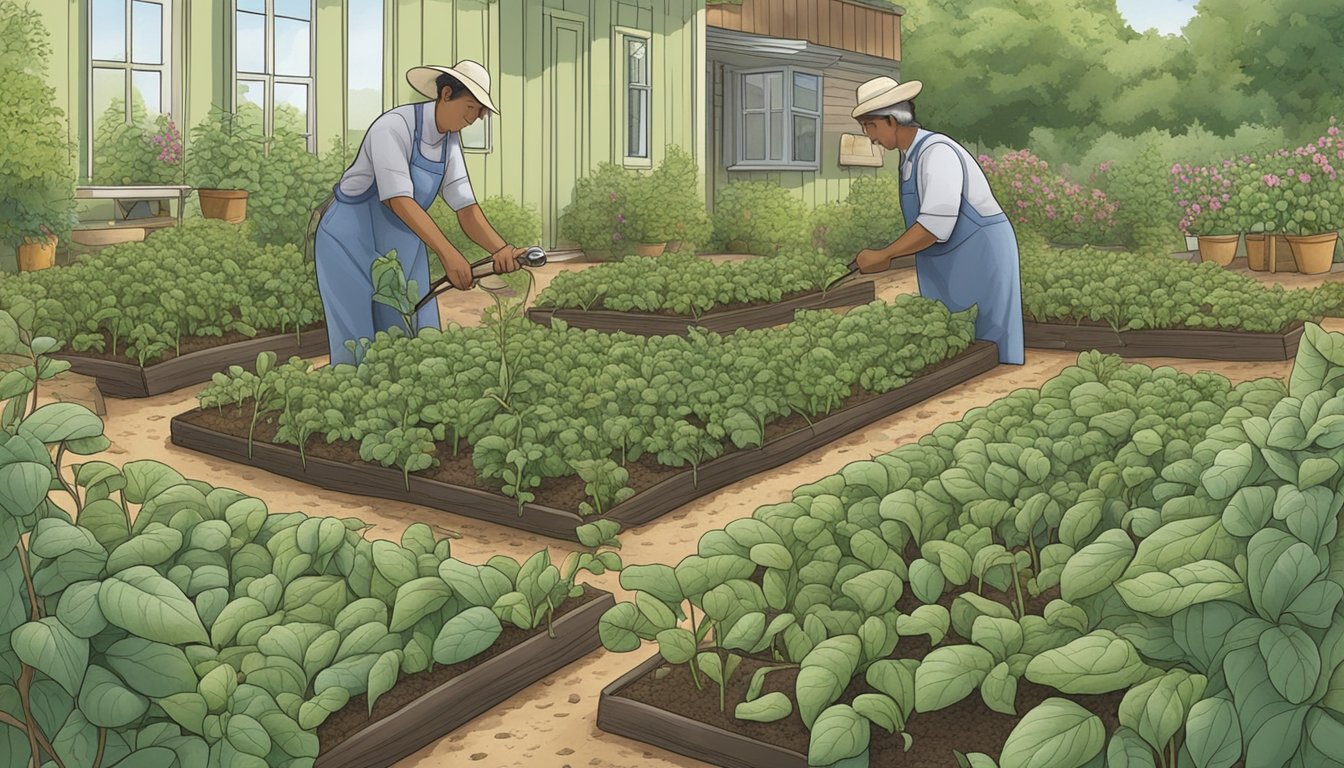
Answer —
650 249
227 204
1257 254
1314 253
35 256
1220 249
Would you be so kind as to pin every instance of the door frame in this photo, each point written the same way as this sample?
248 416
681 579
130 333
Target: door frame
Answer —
553 21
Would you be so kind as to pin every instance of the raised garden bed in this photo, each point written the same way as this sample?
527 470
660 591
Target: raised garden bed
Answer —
422 708
719 320
225 436
118 378
1201 344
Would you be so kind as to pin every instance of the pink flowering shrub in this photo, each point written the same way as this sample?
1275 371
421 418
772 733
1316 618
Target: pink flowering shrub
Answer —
1204 193
1041 201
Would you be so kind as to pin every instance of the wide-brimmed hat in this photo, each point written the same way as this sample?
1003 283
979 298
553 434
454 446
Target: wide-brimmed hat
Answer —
883 92
468 72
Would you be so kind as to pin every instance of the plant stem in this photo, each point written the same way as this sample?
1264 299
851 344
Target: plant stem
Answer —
1017 587
695 677
74 493
26 676
102 742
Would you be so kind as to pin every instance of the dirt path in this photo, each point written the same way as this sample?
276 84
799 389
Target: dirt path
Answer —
553 723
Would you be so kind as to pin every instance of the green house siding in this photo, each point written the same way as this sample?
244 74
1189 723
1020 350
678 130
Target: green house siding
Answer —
557 78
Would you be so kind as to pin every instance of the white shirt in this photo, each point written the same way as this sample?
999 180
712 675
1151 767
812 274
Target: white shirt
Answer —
385 157
940 181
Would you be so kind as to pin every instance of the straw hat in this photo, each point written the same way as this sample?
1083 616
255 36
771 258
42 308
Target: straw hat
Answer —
468 72
882 92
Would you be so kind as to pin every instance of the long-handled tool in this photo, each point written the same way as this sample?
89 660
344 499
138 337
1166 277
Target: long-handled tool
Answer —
531 258
853 270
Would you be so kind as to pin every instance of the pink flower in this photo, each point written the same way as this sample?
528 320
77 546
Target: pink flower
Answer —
1215 205
1271 180
1333 131
1195 208
1305 178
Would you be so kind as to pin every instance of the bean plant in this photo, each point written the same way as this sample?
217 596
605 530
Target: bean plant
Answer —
150 619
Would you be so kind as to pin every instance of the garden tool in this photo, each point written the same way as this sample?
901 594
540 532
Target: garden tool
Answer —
853 270
531 258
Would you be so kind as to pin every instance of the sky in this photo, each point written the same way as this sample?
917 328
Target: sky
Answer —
1167 16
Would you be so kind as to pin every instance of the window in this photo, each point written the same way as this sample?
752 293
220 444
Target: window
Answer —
273 65
364 66
636 94
779 119
129 82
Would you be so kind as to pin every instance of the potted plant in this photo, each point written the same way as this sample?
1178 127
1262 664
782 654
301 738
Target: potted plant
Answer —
1204 194
226 161
37 200
678 182
648 215
1312 191
594 218
1258 215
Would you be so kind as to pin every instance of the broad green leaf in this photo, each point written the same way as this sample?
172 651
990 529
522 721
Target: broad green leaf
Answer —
156 545
658 580
1157 709
49 647
1096 663
144 603
926 581
767 709
999 690
1163 594
824 675
895 678
880 709
839 733
152 669
248 736
931 620
54 537
383 675
1128 750
106 702
875 591
1212 733
23 485
1293 661
948 675
772 555
1249 510
316 598
59 422
677 645
1229 472
1056 734
417 599
1096 566
467 634
147 479
1279 568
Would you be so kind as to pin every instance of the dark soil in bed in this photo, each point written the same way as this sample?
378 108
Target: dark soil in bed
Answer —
189 344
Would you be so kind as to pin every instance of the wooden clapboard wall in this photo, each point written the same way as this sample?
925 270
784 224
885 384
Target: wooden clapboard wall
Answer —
849 25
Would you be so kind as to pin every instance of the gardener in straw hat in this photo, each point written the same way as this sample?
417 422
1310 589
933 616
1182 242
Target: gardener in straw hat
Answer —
410 155
965 249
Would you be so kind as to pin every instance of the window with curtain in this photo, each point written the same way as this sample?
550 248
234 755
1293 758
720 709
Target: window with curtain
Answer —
364 66
779 118
273 66
130 46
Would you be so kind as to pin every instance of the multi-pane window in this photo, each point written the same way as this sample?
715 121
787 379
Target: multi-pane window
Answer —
637 96
129 47
779 118
364 66
273 65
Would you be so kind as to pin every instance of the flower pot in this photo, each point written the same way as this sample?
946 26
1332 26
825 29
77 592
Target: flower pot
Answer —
39 255
1220 249
650 249
1257 254
227 204
1314 253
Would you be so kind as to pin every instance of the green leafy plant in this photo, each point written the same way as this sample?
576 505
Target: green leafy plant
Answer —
37 179
869 217
292 183
666 204
517 223
202 280
155 619
227 151
138 151
391 288
593 219
758 217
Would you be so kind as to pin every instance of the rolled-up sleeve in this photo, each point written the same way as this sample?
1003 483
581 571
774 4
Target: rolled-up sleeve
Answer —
940 183
456 188
389 142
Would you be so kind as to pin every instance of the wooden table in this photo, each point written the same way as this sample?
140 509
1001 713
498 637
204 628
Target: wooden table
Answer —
137 211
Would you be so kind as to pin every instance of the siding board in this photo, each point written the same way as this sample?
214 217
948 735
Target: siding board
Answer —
789 10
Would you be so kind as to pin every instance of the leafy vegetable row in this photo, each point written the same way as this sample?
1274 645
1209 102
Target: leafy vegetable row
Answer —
1191 528
533 402
141 299
1134 291
689 285
158 620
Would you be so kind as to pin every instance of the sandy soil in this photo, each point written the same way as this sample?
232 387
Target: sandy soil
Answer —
553 723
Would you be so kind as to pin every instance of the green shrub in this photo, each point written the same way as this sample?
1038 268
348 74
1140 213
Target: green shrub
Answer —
869 218
293 183
1147 213
36 175
518 224
226 152
758 217
594 217
142 151
666 205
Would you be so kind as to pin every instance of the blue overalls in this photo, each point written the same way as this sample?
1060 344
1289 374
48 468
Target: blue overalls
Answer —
357 230
978 264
